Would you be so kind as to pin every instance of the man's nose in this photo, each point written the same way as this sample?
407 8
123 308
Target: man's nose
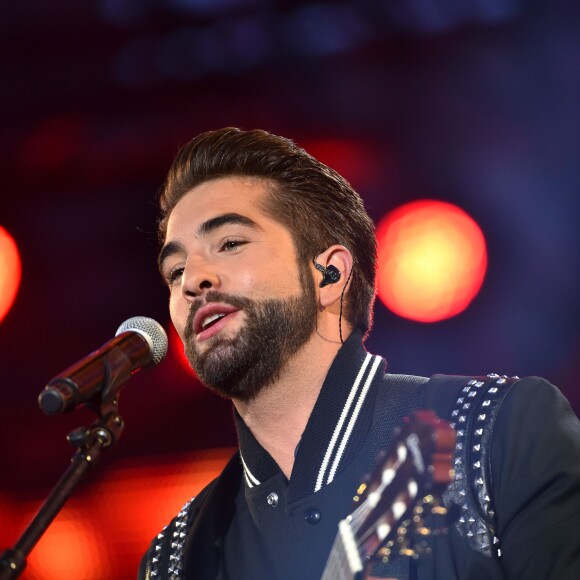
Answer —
198 278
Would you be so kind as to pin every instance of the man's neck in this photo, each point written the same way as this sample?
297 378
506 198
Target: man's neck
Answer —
278 416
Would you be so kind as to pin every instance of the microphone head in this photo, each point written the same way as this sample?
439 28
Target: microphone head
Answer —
152 331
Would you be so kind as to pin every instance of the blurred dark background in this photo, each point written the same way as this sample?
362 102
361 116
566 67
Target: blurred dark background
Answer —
475 103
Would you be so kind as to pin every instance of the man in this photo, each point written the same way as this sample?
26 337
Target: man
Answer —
269 257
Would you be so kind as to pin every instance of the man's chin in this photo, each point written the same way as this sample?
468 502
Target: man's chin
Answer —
211 352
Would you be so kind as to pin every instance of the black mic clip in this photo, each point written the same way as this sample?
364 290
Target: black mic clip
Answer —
106 430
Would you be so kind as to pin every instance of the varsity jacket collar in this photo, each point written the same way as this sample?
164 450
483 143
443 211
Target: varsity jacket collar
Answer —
336 430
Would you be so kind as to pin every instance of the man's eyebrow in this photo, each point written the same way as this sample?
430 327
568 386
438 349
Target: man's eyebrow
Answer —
225 219
204 229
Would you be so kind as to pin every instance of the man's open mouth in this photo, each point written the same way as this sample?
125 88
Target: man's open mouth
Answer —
210 320
210 315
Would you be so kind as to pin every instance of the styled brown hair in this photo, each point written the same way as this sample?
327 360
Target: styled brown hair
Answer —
317 205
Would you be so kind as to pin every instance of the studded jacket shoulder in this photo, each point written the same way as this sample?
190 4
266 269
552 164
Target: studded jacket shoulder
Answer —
473 418
516 492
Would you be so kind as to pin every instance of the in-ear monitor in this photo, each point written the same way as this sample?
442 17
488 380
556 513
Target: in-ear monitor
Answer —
330 274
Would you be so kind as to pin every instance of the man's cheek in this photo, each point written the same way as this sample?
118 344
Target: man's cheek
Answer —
178 319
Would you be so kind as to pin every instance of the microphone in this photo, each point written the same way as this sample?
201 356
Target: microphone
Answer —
139 343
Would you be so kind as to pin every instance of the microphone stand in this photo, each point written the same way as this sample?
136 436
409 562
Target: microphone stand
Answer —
89 442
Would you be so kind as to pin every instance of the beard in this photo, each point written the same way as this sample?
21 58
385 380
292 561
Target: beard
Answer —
274 329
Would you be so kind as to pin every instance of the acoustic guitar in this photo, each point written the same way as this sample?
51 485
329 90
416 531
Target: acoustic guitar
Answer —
392 509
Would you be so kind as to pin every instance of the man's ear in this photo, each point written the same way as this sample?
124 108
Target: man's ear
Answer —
332 269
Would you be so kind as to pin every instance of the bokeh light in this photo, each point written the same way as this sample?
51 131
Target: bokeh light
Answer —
431 260
69 549
10 271
353 159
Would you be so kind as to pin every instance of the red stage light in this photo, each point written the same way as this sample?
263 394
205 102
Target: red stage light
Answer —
352 159
10 271
431 260
55 142
176 347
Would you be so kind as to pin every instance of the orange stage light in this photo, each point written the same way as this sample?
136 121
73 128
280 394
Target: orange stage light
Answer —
10 271
431 260
71 548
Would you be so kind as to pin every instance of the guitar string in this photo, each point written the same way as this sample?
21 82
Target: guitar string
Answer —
365 508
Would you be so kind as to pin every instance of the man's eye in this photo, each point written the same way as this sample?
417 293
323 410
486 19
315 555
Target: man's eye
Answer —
174 275
231 245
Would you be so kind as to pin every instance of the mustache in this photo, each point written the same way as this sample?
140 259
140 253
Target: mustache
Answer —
238 302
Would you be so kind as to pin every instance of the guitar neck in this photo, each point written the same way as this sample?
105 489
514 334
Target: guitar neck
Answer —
344 562
409 481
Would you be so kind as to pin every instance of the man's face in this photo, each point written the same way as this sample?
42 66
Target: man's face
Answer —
238 299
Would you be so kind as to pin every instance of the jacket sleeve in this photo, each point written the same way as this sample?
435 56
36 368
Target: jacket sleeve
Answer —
536 482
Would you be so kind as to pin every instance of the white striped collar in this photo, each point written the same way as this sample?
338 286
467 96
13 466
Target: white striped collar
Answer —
336 429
